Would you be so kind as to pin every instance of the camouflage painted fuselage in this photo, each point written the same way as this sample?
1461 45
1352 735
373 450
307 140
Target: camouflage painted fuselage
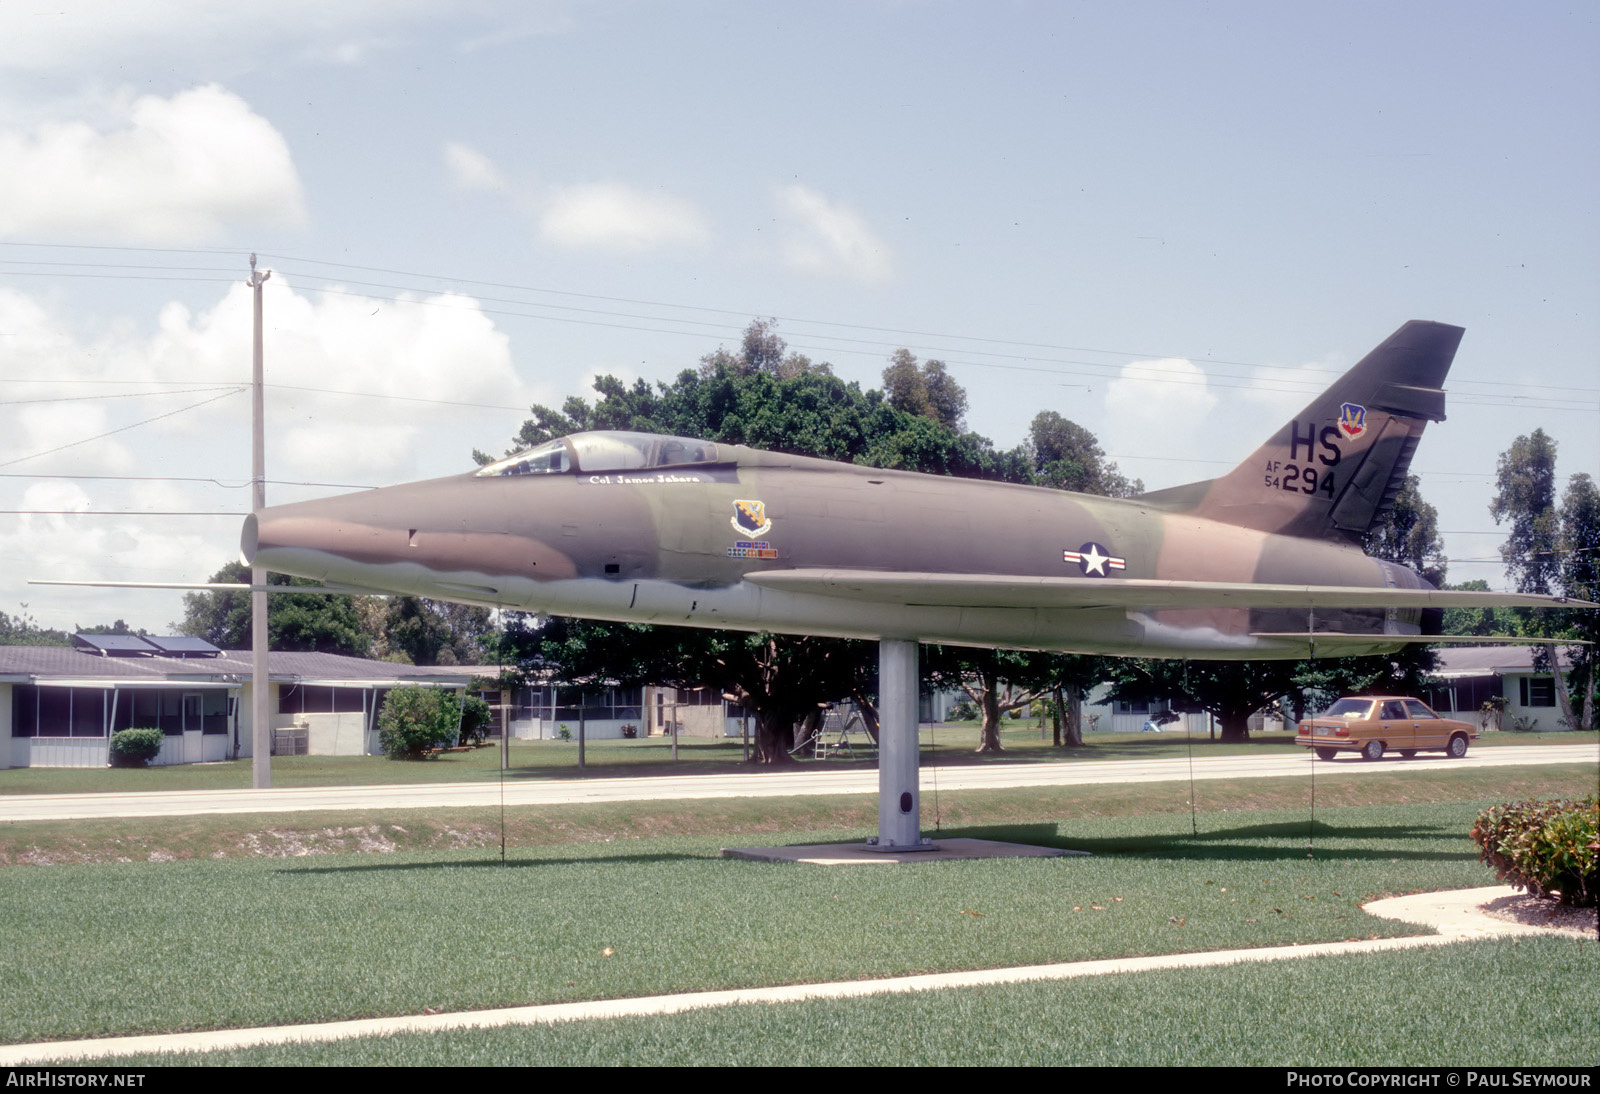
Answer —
712 546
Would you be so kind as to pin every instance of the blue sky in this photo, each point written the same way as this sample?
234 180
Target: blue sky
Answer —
1170 222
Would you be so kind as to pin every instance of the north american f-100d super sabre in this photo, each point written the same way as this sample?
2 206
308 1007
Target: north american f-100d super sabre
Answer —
1264 562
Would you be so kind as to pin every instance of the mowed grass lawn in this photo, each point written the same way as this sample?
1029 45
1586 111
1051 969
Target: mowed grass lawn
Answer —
1411 1009
151 947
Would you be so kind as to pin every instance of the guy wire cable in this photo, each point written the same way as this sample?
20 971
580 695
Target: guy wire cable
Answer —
1311 825
1194 824
505 729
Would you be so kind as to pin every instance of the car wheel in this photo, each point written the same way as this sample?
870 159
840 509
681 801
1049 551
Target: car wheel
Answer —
1373 750
1408 752
1327 753
1457 747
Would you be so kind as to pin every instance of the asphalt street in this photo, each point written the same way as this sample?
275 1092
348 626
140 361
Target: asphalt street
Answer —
811 780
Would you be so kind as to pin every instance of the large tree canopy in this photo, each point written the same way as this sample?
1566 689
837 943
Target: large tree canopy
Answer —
1409 534
764 396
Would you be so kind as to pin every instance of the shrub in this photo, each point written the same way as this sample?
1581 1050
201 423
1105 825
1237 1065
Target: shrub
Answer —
475 719
415 721
1548 848
135 747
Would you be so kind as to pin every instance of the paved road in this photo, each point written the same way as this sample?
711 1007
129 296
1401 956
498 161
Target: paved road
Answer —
808 781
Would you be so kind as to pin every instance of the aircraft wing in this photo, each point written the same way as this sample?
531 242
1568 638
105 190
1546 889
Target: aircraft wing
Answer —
1011 591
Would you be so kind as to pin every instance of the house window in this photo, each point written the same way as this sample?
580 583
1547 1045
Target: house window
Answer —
1538 691
58 712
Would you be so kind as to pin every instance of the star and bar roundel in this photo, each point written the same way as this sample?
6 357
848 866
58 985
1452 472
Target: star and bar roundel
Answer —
1093 560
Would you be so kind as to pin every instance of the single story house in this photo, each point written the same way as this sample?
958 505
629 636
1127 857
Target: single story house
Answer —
59 705
1469 676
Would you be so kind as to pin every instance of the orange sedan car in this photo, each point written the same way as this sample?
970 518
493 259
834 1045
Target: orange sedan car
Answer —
1371 725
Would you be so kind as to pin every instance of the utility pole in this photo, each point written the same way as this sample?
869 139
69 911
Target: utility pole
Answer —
260 719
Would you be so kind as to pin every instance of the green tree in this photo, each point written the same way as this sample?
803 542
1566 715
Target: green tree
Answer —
927 390
761 350
413 722
780 679
768 398
1229 690
24 630
1579 578
1064 455
1478 621
1525 483
1409 534
307 622
1551 550
997 682
430 632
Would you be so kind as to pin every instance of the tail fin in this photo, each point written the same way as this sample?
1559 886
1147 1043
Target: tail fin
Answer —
1334 469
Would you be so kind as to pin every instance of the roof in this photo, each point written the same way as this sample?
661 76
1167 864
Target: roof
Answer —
30 664
1455 661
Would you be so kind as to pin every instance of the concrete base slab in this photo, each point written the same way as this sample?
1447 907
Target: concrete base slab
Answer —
845 854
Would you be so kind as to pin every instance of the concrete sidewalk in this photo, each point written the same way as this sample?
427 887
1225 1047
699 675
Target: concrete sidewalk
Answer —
1457 916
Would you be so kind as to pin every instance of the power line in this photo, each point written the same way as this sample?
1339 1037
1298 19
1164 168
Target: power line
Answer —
730 330
186 478
108 395
120 429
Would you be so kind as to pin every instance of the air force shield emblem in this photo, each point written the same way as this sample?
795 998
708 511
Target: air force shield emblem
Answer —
1352 420
750 518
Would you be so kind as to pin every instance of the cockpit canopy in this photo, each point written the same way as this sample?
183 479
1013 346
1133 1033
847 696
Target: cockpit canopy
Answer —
609 450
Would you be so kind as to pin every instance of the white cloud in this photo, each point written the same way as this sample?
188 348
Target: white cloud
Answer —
1160 409
430 352
615 216
609 216
830 239
471 169
419 351
172 171
93 36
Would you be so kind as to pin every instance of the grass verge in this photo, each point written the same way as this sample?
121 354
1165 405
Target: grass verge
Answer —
1363 1010
941 746
152 947
738 820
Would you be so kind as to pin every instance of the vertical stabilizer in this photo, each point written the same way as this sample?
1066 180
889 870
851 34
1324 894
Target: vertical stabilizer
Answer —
1334 468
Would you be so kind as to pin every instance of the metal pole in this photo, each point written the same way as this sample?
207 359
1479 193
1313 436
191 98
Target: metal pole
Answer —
899 795
260 727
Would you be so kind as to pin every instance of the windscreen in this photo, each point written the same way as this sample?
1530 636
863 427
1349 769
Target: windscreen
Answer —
606 451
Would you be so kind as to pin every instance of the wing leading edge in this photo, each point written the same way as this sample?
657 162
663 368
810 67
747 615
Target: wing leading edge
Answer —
1006 591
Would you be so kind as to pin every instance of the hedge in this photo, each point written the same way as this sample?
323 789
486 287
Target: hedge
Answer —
1548 848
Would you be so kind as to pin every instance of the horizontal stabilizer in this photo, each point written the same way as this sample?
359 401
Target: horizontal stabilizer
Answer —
1334 644
1008 591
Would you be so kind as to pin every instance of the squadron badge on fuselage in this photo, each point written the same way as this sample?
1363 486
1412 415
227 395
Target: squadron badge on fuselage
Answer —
750 518
1352 420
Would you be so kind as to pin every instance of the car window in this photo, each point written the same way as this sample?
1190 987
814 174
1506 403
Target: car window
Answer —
1349 708
1393 709
1419 709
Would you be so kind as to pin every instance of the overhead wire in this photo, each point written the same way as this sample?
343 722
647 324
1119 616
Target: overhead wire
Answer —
876 346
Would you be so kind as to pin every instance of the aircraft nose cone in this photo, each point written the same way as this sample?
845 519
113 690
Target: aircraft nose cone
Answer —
248 540
443 533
